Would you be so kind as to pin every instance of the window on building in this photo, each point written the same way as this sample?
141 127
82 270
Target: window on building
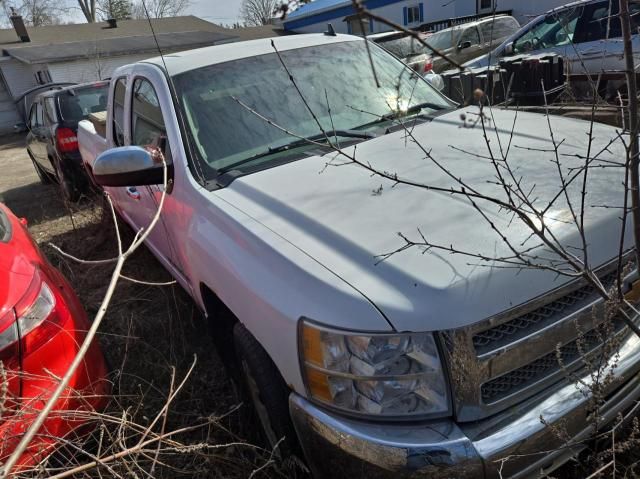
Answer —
413 14
43 77
484 5
355 26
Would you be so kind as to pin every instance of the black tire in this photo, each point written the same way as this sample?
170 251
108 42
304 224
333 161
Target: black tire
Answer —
44 177
266 392
68 185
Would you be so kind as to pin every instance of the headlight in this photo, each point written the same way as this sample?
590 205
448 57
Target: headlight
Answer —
389 375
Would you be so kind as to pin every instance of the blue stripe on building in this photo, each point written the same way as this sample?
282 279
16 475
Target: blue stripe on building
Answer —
334 14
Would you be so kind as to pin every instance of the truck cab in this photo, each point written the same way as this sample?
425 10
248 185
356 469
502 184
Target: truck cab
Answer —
275 221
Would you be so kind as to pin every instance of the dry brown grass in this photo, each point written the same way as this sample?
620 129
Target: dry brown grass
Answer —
150 335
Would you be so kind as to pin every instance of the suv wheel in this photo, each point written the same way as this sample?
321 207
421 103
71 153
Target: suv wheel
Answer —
265 390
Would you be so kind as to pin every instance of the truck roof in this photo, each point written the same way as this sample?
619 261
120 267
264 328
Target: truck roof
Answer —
181 62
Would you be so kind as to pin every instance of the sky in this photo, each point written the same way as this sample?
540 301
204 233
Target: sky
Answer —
216 11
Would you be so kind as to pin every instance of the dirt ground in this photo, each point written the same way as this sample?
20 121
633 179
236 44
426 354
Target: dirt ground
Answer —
148 331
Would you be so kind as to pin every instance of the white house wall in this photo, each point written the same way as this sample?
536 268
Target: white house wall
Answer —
19 77
437 10
91 69
8 112
434 10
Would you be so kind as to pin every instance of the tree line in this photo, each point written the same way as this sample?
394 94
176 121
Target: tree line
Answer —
38 13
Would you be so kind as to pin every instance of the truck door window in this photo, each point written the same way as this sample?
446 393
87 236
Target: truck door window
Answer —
555 30
601 21
118 111
147 125
593 24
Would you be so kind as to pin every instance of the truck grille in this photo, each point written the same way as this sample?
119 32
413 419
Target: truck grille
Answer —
539 369
505 359
523 325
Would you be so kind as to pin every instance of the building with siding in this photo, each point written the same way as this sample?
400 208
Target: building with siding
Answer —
92 51
414 14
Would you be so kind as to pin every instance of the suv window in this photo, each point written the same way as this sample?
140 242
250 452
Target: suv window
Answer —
147 125
50 110
555 30
470 35
78 105
5 227
119 92
35 120
498 28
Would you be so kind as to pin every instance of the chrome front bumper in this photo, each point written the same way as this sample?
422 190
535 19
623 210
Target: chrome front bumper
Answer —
514 444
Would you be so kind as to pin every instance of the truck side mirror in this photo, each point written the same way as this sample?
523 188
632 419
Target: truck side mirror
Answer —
127 166
464 45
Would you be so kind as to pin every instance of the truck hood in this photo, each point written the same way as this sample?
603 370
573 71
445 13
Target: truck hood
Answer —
345 217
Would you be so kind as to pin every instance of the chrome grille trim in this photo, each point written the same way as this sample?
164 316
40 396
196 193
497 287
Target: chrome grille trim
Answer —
541 369
496 337
487 379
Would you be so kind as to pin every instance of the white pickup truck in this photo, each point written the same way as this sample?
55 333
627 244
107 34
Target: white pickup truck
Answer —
347 357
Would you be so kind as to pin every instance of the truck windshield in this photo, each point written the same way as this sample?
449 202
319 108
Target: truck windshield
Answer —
335 80
78 105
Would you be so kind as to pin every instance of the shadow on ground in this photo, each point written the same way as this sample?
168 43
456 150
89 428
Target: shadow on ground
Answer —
35 202
13 141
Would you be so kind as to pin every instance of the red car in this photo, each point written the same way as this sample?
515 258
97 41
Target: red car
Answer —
42 325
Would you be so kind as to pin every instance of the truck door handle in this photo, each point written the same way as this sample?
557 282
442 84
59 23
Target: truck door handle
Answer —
133 192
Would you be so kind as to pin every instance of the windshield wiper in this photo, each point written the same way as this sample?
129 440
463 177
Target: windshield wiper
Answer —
309 140
403 113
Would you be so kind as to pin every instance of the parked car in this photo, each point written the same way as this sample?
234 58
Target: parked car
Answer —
342 355
52 143
411 52
465 42
406 48
42 325
586 33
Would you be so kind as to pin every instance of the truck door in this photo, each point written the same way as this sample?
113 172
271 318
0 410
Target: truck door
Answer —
598 38
140 203
37 137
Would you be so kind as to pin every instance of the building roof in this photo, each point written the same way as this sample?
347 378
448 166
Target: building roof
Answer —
190 60
130 36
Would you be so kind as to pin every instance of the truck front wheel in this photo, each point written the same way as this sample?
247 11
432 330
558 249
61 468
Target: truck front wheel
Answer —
265 390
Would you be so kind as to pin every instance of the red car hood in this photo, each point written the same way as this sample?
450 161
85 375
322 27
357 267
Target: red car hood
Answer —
17 258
